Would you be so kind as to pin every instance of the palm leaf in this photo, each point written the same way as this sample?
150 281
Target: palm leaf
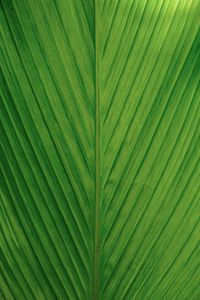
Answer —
99 149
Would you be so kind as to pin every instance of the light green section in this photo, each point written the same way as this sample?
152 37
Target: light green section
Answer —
100 139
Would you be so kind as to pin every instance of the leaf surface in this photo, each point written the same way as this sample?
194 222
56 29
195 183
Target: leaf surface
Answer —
100 149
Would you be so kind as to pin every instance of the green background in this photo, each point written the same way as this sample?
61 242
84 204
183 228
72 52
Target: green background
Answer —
100 150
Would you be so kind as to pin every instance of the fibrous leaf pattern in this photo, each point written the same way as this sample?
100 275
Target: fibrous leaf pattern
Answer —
100 109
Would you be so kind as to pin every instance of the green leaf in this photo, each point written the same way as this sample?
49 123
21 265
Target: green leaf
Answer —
100 149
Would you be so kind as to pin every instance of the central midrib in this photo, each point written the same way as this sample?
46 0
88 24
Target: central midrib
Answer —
97 160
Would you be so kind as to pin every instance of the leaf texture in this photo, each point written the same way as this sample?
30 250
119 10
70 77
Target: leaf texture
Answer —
47 149
150 114
100 109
